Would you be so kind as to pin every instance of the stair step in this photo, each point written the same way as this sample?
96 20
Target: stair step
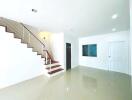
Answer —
53 67
42 56
55 71
49 70
29 46
17 35
22 41
9 30
39 53
54 64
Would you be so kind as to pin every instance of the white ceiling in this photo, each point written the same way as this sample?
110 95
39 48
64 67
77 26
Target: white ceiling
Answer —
78 17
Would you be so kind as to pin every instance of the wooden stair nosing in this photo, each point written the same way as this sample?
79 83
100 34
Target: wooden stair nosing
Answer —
55 71
55 61
55 66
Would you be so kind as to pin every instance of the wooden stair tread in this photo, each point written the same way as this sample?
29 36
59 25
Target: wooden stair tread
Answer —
51 63
55 71
55 66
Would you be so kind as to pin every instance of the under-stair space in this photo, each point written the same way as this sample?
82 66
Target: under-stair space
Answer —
20 31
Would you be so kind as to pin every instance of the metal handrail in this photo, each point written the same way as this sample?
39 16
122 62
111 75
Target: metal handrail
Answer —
32 34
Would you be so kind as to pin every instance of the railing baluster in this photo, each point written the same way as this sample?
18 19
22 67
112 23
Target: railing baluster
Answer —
43 54
50 64
46 58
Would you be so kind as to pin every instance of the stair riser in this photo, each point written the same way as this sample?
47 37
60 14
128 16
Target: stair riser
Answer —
52 65
49 70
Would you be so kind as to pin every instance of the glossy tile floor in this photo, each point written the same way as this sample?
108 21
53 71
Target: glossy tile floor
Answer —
78 84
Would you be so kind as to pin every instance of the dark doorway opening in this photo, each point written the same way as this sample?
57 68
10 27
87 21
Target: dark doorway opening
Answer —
68 56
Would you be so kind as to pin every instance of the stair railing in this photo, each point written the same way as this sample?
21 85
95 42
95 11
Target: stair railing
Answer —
43 46
32 34
48 57
46 53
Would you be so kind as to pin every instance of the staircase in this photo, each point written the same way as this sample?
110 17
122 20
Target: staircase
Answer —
26 36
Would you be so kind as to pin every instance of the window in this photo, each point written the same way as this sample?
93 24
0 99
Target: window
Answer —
89 50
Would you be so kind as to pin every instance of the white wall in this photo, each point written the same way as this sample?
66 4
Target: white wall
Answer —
17 62
74 49
131 31
101 61
57 47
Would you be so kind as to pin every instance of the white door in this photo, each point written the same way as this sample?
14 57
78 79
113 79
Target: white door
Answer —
118 56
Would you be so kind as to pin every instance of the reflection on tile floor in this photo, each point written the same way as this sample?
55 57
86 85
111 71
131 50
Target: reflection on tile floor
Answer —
80 83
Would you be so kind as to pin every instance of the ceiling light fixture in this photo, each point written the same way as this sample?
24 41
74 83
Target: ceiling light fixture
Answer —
114 16
113 29
34 10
